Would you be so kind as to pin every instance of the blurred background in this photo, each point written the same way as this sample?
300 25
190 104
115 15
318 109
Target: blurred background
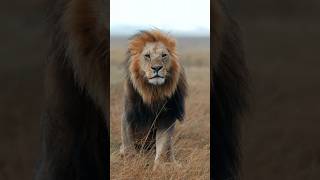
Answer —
178 17
22 54
280 138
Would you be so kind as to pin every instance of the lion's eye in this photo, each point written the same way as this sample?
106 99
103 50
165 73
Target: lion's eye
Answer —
164 55
147 56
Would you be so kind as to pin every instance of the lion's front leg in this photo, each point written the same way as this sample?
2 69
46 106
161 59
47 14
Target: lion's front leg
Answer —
164 149
127 145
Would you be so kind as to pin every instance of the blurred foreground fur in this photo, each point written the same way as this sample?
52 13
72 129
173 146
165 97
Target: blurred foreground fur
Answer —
229 87
74 124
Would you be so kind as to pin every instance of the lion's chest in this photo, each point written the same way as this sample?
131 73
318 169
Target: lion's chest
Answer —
146 117
158 115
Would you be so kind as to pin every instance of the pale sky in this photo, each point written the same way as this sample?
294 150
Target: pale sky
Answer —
169 15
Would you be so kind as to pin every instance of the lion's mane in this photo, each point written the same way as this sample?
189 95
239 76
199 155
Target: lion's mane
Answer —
176 78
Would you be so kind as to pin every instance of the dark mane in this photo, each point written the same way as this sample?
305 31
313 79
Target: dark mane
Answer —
229 87
76 116
163 112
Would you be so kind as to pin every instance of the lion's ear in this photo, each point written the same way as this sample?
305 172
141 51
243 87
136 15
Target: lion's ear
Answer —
135 46
171 44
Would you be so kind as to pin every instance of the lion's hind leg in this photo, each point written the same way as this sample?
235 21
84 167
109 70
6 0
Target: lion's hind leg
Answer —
127 146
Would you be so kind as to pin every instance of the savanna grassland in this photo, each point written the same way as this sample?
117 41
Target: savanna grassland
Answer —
192 137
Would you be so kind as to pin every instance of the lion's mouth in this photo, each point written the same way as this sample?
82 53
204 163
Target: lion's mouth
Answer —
156 76
156 80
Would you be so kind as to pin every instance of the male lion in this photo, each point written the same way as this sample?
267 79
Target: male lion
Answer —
155 90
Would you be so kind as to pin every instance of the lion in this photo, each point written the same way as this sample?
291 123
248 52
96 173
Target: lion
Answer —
155 91
229 92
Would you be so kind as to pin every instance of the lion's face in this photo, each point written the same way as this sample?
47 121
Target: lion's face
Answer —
153 65
155 62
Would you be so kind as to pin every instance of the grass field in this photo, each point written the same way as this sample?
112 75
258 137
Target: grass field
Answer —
192 137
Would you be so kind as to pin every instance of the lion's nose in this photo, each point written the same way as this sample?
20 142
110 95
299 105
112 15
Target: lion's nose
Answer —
156 68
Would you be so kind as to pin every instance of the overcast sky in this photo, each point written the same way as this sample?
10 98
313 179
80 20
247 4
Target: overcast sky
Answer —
169 15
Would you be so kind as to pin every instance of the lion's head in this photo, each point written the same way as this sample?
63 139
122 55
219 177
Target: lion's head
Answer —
155 61
153 65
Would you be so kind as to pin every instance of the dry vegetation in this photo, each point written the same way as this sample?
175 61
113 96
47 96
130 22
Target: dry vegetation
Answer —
192 137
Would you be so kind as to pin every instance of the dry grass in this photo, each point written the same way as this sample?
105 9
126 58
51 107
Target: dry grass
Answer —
192 137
